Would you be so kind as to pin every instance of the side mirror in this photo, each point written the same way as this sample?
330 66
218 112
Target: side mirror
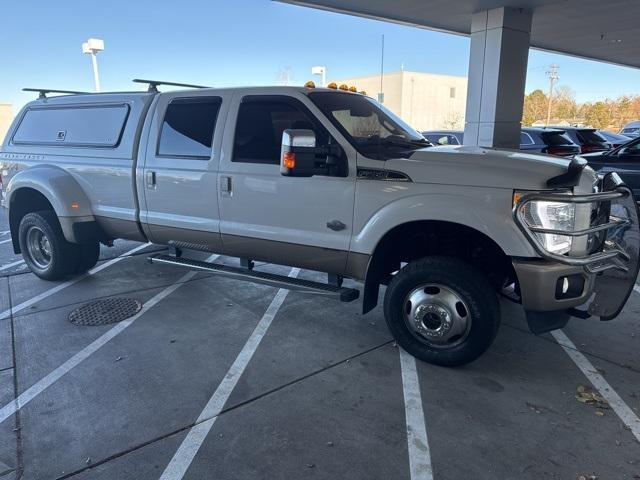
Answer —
298 155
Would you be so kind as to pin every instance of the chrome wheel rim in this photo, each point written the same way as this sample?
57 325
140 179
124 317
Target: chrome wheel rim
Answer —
437 315
38 247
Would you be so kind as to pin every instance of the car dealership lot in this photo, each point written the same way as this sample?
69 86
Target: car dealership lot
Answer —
262 383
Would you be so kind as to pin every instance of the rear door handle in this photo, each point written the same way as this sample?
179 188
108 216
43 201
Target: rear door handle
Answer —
226 186
151 179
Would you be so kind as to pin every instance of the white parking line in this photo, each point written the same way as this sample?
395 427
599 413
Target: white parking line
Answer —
68 283
33 391
628 417
636 288
4 232
9 265
5 241
189 447
417 441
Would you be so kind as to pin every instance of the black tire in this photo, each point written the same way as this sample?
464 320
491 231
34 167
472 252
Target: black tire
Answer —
62 257
479 313
87 256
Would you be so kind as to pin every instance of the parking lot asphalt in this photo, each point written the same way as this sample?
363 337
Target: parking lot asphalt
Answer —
217 378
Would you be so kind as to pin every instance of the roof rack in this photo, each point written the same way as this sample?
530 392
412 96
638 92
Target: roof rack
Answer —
42 92
153 84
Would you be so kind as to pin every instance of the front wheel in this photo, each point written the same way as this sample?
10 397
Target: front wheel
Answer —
44 248
442 311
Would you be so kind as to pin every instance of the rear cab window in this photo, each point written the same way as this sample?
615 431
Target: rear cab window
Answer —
95 126
188 127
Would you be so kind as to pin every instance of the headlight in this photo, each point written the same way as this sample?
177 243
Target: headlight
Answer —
553 216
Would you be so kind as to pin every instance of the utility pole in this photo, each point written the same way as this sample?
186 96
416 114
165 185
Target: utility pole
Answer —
552 73
381 94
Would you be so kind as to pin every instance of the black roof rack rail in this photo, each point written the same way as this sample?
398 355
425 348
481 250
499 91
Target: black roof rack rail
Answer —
42 92
153 84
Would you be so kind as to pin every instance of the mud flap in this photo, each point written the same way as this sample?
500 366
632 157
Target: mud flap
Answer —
614 285
543 322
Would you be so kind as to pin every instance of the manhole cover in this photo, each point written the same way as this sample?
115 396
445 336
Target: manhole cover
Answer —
105 311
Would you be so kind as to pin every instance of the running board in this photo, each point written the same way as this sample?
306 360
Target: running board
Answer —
342 293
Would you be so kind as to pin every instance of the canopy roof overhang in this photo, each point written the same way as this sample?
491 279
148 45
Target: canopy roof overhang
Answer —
607 31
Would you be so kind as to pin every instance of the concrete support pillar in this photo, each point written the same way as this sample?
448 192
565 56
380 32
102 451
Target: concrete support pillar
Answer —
497 75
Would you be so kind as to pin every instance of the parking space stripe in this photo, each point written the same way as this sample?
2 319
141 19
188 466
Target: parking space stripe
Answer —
5 241
36 389
47 293
628 417
636 288
9 265
417 441
189 447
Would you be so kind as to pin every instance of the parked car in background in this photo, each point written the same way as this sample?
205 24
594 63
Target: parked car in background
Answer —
616 139
631 129
444 137
588 139
547 140
624 160
543 140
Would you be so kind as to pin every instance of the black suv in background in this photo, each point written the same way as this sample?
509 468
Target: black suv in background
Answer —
547 140
543 140
624 160
588 139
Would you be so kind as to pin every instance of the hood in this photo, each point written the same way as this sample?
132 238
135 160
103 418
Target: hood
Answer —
480 167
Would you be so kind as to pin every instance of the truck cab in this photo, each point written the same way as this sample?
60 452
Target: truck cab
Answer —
326 180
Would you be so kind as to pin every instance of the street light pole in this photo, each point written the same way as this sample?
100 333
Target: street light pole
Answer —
92 47
322 71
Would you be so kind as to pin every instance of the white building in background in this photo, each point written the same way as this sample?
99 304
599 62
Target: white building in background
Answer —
426 101
6 117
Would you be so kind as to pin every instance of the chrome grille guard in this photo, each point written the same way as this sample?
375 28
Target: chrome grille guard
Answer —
614 230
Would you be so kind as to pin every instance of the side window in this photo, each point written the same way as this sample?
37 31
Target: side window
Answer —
525 139
258 136
98 126
444 140
187 128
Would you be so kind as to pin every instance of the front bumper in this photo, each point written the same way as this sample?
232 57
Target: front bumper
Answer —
609 268
539 281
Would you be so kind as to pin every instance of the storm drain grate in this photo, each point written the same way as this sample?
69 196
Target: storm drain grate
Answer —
105 311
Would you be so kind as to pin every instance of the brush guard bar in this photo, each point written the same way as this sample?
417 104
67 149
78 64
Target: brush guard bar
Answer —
613 241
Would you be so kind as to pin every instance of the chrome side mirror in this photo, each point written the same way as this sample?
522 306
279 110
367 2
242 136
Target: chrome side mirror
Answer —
298 154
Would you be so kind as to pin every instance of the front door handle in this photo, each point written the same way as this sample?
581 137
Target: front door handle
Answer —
336 225
151 179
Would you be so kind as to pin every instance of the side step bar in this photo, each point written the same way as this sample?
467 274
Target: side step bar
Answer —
342 293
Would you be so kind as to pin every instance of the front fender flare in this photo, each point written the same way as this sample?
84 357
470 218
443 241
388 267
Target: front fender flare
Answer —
488 213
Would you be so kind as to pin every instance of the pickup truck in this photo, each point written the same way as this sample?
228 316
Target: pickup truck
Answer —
326 180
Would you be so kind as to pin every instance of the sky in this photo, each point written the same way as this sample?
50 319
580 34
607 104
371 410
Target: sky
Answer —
237 43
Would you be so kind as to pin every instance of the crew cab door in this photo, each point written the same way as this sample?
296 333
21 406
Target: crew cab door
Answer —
178 188
300 221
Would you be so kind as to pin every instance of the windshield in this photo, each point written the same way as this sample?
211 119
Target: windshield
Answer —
372 129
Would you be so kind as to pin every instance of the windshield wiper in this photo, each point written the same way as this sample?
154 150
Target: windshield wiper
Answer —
398 141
